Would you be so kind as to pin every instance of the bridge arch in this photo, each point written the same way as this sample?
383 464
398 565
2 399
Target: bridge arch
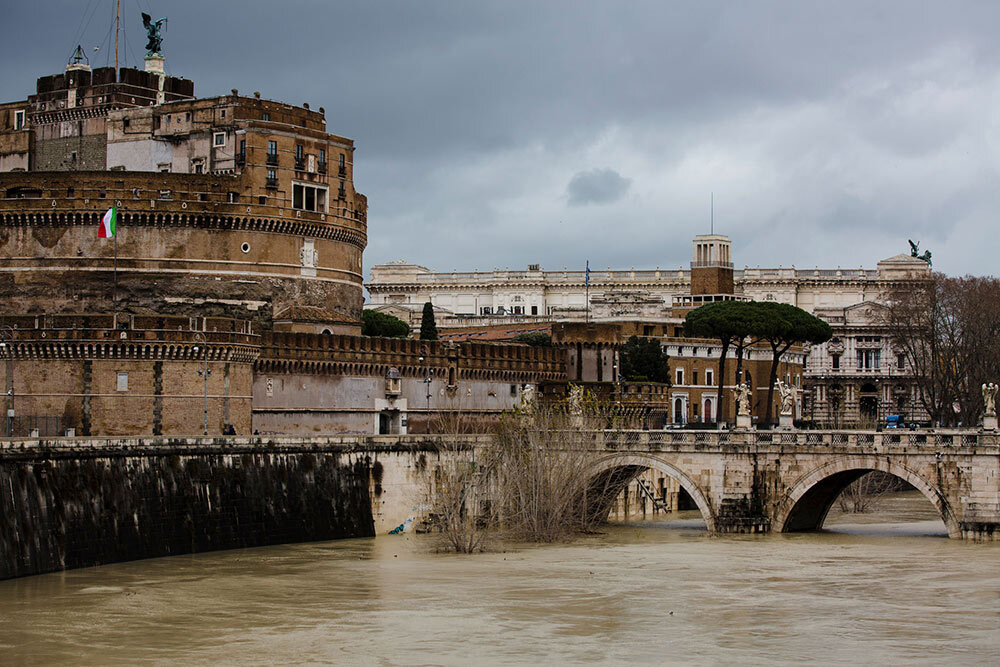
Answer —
810 497
615 463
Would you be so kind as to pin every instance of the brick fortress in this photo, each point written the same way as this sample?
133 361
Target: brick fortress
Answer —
232 294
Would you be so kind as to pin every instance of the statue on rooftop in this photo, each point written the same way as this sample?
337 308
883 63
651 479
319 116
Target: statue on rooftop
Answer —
915 252
154 41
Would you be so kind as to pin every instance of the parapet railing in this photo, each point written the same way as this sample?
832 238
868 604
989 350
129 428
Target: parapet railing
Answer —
924 438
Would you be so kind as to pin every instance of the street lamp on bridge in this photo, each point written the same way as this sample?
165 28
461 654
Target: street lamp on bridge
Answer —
199 339
7 348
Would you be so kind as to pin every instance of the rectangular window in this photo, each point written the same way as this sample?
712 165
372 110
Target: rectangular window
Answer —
901 361
122 381
223 113
265 116
680 376
272 178
219 139
272 147
534 310
835 359
694 377
322 155
243 146
710 378
309 197
19 119
233 197
298 151
868 360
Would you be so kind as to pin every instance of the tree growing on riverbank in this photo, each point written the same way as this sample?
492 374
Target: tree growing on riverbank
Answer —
533 481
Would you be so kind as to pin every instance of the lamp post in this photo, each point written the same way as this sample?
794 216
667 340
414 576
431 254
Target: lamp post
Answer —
199 339
7 334
427 384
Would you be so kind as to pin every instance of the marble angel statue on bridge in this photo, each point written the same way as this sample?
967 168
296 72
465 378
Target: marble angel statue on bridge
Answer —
742 392
787 397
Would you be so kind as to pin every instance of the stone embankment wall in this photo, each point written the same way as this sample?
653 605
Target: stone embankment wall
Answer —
68 503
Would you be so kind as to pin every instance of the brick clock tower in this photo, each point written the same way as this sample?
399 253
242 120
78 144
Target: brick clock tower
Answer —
711 265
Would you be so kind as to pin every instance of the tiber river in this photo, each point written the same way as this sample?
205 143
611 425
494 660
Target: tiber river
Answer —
884 589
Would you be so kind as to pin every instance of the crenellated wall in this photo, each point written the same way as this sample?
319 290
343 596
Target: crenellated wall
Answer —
311 383
141 377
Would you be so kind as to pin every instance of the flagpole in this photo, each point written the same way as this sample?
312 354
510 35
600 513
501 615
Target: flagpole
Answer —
114 295
586 280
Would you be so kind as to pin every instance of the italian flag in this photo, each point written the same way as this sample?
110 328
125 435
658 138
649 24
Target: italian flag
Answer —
107 228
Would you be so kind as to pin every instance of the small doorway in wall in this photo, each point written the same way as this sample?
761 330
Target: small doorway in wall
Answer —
389 422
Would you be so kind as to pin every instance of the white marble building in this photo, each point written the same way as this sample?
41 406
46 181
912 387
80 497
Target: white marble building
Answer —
865 382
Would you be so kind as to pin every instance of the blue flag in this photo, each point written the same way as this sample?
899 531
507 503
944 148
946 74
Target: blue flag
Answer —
587 278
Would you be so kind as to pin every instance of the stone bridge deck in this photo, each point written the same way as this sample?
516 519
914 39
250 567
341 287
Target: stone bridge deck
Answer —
75 502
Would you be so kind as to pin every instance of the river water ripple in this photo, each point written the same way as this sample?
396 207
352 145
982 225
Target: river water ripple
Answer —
885 588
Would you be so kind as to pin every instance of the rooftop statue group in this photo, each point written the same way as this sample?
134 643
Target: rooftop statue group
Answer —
915 252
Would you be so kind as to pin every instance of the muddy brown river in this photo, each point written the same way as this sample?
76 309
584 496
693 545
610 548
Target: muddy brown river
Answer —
885 588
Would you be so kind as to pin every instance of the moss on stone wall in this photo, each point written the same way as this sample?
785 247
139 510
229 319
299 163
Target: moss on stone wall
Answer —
65 513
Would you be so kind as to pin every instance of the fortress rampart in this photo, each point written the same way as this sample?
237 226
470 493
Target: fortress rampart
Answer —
188 244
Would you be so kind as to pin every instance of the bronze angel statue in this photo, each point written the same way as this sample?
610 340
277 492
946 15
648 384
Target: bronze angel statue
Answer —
154 41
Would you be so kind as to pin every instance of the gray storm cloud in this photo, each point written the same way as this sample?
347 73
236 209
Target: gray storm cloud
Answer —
597 186
829 132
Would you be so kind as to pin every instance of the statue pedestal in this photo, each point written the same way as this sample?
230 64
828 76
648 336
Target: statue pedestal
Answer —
785 423
154 63
742 421
990 423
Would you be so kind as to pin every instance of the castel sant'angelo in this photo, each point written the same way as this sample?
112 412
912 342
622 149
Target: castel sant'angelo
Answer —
230 294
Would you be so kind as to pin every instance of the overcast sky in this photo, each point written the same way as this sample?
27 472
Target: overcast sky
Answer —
502 133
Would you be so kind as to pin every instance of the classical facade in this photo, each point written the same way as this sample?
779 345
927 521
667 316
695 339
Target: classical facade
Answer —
856 378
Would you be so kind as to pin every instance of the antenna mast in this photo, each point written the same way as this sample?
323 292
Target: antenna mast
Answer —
117 6
713 212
